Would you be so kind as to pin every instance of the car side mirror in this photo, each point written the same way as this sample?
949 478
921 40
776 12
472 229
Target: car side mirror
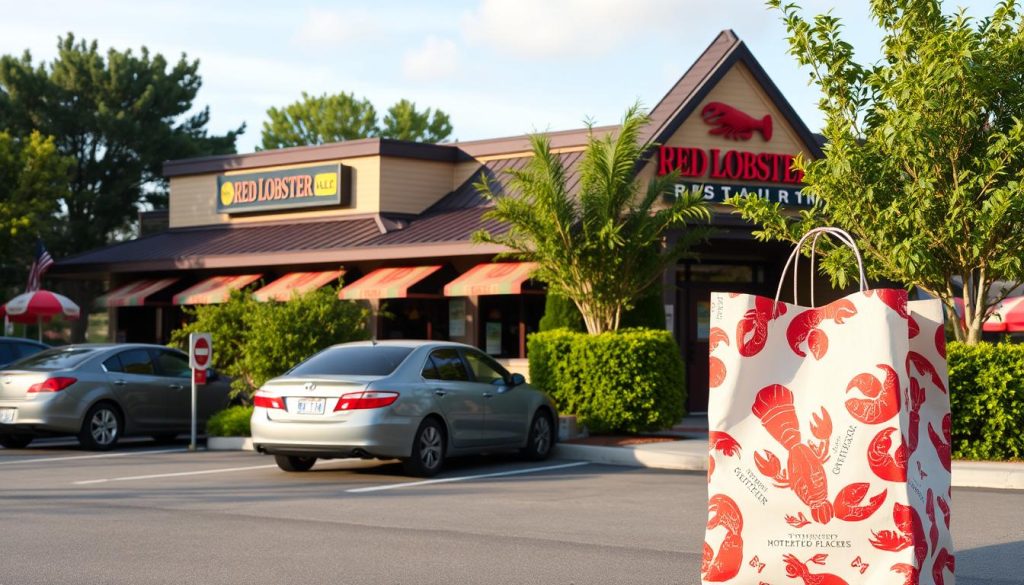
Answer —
517 380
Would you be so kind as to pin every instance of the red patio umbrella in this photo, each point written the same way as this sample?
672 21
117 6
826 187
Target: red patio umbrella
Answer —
1007 316
39 306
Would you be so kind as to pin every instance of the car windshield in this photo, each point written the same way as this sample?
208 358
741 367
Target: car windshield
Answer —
53 359
362 360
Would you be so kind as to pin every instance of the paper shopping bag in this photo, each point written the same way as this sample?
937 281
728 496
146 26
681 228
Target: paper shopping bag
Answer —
830 441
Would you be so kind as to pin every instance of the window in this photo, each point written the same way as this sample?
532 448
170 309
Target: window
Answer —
113 364
54 359
137 361
7 354
171 364
485 369
449 365
360 360
26 349
430 370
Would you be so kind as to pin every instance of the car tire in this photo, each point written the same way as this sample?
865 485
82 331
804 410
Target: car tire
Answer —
539 443
292 463
101 428
428 446
15 441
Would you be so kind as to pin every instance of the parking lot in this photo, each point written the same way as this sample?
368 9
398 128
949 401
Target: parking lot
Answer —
150 513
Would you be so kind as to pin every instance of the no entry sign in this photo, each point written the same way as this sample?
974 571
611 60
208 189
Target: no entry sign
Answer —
200 350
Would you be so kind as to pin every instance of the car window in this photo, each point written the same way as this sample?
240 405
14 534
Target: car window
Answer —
430 370
485 369
55 359
7 353
359 360
449 365
27 349
172 364
136 361
113 364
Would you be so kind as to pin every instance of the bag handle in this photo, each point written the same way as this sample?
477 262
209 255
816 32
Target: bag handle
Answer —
841 235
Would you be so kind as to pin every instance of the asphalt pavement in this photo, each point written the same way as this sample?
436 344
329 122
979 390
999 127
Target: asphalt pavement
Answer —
157 514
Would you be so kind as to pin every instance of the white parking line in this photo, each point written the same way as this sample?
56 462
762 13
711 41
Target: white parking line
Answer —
178 474
396 486
101 456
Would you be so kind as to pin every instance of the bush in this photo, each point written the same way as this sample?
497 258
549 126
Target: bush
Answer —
561 313
626 381
230 422
648 312
255 341
987 400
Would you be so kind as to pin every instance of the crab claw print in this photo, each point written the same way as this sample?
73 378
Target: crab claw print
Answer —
940 340
942 444
911 576
752 330
890 467
716 367
802 570
897 301
924 368
909 532
724 444
726 562
883 397
944 561
804 327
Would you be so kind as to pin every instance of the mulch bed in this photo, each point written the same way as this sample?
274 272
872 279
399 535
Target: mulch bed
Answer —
621 440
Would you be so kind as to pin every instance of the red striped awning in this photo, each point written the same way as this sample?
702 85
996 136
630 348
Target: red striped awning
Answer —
387 283
214 290
296 283
134 294
504 278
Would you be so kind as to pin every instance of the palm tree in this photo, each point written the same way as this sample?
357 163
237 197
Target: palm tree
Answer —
603 246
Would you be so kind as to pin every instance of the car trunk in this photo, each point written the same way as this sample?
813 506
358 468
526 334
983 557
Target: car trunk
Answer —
313 399
14 384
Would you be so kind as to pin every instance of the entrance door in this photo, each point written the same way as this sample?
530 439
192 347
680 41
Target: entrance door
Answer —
695 283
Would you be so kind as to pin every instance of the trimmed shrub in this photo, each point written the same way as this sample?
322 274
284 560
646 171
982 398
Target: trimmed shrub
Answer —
648 312
987 400
230 422
631 380
561 313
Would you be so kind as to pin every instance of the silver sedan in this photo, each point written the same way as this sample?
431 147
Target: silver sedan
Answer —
100 392
418 401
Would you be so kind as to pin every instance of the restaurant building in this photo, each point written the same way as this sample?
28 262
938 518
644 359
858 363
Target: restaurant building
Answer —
394 220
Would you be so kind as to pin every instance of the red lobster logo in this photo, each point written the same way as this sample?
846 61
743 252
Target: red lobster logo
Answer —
802 570
734 124
805 469
724 564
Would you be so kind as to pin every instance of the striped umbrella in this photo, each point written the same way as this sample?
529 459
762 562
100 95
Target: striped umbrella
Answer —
39 306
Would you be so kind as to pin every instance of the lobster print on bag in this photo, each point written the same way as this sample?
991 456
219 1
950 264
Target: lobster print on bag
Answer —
829 442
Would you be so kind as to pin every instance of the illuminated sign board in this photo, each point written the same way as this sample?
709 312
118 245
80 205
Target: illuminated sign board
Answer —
718 193
298 188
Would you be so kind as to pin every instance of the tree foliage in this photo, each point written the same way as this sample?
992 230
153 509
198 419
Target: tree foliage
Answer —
600 247
342 116
924 154
33 174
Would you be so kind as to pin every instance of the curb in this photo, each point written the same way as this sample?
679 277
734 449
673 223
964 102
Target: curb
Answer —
229 444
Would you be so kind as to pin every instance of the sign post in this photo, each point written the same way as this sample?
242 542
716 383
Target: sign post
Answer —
200 357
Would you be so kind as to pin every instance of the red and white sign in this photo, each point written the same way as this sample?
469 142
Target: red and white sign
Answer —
200 350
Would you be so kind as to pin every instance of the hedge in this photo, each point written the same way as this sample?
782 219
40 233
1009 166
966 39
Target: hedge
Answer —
987 400
628 381
230 422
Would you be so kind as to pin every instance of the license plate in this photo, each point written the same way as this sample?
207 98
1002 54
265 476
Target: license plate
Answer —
311 405
7 415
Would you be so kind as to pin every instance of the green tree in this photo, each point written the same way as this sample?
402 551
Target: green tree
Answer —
924 154
594 247
33 174
339 117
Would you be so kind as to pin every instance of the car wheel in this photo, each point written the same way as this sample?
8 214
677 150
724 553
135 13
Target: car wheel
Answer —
101 428
290 463
427 450
15 441
539 443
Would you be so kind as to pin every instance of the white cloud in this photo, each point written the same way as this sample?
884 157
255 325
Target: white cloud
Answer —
436 59
336 27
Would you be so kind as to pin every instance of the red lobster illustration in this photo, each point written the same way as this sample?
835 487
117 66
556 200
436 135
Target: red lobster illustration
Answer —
897 301
910 572
724 444
752 330
924 368
942 447
915 398
945 510
727 562
933 532
805 472
795 569
734 124
940 340
886 466
804 327
909 532
944 561
883 398
716 367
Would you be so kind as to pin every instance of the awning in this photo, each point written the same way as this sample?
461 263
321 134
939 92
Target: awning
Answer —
214 290
387 283
504 278
135 293
283 288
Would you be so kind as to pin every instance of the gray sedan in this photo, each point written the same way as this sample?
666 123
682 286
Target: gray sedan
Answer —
100 392
418 401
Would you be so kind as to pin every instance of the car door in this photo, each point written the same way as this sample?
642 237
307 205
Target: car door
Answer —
460 400
142 394
176 376
506 412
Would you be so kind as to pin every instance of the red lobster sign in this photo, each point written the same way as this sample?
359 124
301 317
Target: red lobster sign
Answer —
734 124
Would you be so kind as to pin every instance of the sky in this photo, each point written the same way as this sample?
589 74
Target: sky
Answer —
497 67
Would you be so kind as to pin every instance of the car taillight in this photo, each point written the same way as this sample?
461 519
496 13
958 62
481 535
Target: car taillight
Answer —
52 385
267 401
363 400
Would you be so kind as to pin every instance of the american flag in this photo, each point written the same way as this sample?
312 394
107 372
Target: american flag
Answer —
40 265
